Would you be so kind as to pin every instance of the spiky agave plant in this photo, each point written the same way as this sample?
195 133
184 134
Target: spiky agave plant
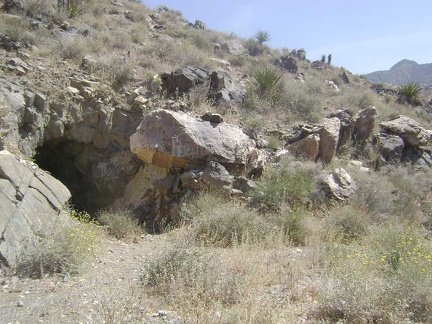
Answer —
410 93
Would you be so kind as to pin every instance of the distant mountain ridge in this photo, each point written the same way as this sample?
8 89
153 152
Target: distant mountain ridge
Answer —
404 72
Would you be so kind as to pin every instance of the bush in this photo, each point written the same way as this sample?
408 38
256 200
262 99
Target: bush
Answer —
34 8
201 40
74 8
73 48
62 247
189 276
303 103
216 221
293 226
288 182
346 223
120 223
121 75
386 278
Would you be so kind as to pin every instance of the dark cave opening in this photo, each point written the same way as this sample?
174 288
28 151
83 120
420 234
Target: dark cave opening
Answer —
63 159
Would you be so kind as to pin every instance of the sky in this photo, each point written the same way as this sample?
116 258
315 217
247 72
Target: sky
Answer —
362 35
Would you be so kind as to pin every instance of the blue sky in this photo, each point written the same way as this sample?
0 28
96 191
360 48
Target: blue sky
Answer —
362 35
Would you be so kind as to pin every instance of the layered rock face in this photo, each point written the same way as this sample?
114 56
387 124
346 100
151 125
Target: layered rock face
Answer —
29 199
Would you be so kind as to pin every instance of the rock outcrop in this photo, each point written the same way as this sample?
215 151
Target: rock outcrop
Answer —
173 139
408 129
218 85
364 124
329 138
287 63
184 79
234 47
402 140
30 198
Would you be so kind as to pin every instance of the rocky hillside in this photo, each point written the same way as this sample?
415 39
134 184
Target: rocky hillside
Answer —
404 72
111 108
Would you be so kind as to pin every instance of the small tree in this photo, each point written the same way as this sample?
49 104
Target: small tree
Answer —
329 59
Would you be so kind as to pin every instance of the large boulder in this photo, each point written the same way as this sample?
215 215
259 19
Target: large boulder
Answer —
172 139
234 47
30 198
364 124
411 131
339 185
329 137
306 148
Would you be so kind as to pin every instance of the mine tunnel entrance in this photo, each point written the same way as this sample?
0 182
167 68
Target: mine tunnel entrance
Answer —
67 162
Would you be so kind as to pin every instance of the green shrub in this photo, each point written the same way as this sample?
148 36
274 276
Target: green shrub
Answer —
120 223
63 247
292 225
219 222
288 182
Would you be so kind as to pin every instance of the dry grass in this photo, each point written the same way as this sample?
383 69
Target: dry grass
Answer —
289 256
121 224
64 247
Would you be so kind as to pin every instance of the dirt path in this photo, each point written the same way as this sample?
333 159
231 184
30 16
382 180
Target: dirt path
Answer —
108 292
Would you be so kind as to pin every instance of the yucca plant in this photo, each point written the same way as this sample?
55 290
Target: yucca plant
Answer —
262 37
410 94
267 80
253 47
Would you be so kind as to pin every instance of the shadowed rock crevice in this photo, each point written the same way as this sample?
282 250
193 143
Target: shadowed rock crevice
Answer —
61 163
